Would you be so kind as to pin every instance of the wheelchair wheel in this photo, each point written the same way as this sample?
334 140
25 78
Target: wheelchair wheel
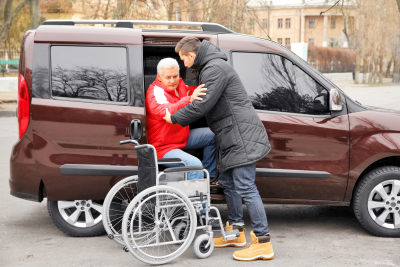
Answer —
114 206
199 246
149 223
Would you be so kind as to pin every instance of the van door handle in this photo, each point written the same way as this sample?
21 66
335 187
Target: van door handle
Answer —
136 130
135 126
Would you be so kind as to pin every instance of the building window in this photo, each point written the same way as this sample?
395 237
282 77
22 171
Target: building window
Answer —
280 40
287 23
333 23
274 83
265 23
311 23
311 41
280 23
251 24
287 42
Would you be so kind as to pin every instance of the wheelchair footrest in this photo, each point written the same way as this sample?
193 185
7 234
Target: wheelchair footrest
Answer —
233 234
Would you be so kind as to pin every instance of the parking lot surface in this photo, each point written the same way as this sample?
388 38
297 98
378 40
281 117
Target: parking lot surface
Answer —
302 235
385 96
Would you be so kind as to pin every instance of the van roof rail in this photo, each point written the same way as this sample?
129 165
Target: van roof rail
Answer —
210 27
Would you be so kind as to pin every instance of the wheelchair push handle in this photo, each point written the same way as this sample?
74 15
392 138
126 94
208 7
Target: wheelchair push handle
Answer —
131 141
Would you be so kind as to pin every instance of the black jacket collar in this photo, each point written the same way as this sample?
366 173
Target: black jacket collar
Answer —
207 52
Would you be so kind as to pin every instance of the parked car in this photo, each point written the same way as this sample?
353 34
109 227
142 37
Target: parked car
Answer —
81 88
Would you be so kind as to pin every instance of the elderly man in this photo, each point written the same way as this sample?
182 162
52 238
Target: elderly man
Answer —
169 91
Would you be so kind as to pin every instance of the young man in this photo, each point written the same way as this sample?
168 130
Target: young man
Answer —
241 141
169 91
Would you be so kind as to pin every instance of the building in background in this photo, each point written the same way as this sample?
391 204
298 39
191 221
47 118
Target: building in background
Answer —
285 21
301 21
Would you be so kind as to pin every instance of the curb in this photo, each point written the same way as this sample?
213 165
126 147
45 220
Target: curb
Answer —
8 108
8 113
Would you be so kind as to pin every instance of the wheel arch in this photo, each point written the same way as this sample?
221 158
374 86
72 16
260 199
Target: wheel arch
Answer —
388 161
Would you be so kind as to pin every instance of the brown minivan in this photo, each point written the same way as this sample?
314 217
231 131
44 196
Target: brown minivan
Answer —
81 88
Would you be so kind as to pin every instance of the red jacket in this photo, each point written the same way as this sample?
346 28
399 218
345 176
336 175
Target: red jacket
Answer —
162 135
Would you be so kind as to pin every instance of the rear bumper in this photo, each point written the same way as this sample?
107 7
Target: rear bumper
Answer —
25 196
23 181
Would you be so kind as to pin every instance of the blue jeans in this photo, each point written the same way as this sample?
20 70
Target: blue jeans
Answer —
198 138
239 183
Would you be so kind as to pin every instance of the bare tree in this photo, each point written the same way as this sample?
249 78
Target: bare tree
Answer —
396 60
9 15
373 34
90 82
376 30
36 14
396 56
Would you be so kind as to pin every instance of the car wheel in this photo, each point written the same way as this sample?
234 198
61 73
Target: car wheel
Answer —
79 218
376 201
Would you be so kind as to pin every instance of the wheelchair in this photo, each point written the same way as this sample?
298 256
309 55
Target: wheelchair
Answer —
155 215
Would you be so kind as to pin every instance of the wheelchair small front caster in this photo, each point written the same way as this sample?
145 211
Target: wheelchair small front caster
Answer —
126 249
199 246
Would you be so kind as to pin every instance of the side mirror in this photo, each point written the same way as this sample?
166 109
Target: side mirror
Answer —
335 100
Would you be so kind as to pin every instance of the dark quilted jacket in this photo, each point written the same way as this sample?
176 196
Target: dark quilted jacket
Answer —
240 136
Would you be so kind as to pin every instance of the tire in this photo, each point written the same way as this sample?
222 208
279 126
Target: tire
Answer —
376 201
114 206
180 231
73 222
141 229
199 246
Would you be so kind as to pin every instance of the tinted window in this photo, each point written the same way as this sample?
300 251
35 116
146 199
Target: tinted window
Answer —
274 83
97 73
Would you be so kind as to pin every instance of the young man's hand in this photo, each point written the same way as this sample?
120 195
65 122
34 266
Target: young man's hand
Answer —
198 92
167 117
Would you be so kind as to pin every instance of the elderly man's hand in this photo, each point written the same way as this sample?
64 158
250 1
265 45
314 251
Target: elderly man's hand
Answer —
167 117
198 92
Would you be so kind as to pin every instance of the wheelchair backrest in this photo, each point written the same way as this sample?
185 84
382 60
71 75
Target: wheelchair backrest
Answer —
147 166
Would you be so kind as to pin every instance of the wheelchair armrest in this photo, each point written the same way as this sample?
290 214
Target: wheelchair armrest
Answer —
184 169
168 160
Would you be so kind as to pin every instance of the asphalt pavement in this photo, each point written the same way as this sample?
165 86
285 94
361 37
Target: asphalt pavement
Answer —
302 235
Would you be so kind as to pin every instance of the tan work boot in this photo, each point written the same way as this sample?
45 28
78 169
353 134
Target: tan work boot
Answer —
238 242
260 248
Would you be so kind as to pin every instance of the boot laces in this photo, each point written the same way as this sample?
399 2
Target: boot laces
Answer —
253 243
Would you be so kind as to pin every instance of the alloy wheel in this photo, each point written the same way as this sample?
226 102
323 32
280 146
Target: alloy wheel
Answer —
384 204
81 213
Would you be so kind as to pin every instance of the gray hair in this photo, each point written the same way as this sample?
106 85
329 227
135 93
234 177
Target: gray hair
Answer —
167 63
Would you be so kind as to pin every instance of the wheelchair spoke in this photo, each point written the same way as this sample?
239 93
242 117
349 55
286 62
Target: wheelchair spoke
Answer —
116 204
156 239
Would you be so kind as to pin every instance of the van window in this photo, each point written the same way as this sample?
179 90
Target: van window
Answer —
274 83
89 72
